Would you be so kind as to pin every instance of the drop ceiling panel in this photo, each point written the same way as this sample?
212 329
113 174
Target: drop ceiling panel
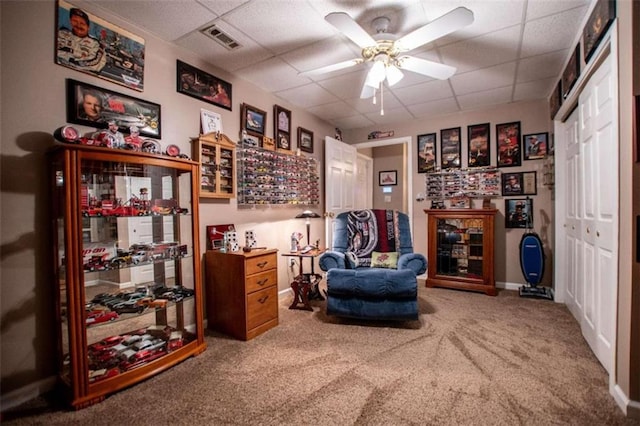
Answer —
183 15
541 8
346 86
280 26
484 51
272 75
307 96
333 110
391 115
501 95
325 52
230 60
366 105
484 79
551 33
354 122
425 92
220 7
542 66
429 109
538 89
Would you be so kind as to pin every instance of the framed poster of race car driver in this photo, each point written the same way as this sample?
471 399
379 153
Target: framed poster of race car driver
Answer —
87 43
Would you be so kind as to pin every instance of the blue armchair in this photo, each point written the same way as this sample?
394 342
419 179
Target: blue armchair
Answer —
363 281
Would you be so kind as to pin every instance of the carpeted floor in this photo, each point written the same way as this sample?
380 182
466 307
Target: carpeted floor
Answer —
471 359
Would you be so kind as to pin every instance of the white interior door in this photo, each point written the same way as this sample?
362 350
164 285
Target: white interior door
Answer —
587 181
340 181
364 182
599 203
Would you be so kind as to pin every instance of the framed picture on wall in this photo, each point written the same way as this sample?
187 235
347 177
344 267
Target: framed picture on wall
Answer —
305 140
536 146
388 177
94 106
89 44
478 139
571 72
203 86
599 22
555 101
252 120
518 213
450 148
427 153
508 136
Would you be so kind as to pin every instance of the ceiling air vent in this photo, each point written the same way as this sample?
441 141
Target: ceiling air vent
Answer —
221 37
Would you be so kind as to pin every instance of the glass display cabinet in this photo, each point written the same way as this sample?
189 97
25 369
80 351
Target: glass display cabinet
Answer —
217 156
460 249
127 267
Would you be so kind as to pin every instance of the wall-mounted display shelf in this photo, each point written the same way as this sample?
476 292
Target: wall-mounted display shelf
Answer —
271 177
127 269
217 156
478 183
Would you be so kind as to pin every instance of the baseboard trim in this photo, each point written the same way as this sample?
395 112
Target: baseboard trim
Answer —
26 393
508 286
629 407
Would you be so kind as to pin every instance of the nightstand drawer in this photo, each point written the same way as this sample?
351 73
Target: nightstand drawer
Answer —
261 281
262 306
261 263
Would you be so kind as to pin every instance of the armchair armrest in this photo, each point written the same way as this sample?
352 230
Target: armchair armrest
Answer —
332 259
414 261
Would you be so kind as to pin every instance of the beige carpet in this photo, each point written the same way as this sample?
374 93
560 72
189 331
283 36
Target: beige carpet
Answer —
471 359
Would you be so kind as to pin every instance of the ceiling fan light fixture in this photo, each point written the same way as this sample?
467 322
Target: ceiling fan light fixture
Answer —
394 74
376 74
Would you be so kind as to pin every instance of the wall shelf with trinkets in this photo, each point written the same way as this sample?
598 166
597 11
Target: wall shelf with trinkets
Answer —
476 183
217 156
274 178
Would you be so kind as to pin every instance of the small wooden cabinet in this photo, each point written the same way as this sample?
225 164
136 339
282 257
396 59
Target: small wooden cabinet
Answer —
217 156
460 249
242 292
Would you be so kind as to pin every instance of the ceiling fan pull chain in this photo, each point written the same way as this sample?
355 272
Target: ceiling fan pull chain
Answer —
381 99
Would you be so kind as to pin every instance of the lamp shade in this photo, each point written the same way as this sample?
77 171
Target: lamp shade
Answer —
307 214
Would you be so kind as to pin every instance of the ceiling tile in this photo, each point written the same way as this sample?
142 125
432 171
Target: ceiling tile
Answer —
345 86
272 75
183 15
366 105
425 92
279 26
501 95
354 122
484 51
325 52
307 96
539 89
542 66
484 79
333 110
551 33
439 107
250 52
391 115
220 7
541 8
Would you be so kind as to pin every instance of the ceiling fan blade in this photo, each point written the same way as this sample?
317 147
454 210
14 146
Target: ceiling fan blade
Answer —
350 28
424 67
446 24
331 68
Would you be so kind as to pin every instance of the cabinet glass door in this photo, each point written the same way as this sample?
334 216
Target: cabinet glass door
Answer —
460 247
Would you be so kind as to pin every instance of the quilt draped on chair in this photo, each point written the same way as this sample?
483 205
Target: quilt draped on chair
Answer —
372 230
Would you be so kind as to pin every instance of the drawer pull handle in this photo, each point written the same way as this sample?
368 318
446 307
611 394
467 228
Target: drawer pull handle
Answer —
262 264
263 282
263 299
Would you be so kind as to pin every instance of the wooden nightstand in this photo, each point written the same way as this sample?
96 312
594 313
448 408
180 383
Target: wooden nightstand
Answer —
241 292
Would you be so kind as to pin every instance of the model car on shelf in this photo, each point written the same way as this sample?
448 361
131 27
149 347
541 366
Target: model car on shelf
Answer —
103 373
97 317
96 263
129 308
128 299
142 357
104 344
151 303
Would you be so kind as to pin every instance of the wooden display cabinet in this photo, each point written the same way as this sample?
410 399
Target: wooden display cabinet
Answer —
217 156
460 249
242 292
126 267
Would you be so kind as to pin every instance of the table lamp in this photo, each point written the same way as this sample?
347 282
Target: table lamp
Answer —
308 214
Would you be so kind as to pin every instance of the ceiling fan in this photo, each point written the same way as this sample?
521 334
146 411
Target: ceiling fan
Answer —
386 51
